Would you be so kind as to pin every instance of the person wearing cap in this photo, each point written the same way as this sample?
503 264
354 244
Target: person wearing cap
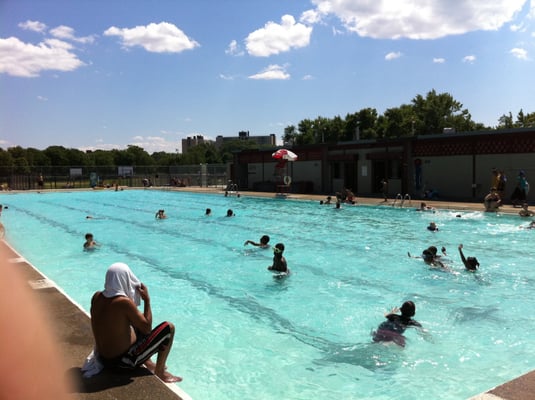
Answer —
470 263
395 325
492 201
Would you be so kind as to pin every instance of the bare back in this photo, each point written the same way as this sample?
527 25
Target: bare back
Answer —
112 320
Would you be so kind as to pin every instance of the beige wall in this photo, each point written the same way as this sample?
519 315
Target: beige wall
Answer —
452 176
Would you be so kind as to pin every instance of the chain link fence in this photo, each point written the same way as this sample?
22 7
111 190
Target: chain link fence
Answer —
67 177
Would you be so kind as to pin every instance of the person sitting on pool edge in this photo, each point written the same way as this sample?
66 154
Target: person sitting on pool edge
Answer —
492 201
470 263
524 212
264 240
393 328
279 262
123 335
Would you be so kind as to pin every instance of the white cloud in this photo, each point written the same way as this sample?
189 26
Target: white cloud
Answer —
226 77
308 77
469 59
272 72
27 60
276 38
392 55
67 33
419 19
519 53
34 26
42 98
158 38
234 49
439 60
310 17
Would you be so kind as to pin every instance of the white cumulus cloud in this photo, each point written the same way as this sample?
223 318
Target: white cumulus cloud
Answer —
519 53
419 19
34 26
272 72
27 60
392 55
276 38
469 59
234 49
67 33
157 38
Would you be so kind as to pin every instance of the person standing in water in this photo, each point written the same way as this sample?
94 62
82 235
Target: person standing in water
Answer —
279 265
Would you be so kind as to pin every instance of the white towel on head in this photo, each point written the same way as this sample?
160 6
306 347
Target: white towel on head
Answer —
121 281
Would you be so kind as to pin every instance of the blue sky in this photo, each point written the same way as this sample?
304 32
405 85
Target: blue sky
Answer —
103 74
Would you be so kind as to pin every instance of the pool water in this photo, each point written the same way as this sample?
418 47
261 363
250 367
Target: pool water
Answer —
243 335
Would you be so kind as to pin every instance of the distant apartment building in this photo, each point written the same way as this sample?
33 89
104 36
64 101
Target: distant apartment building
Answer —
269 140
192 141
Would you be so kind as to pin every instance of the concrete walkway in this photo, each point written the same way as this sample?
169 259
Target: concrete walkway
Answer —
72 328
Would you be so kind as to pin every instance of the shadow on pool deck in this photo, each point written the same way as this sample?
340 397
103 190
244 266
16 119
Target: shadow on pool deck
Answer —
72 328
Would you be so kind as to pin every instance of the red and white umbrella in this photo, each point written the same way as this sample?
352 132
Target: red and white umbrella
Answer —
284 154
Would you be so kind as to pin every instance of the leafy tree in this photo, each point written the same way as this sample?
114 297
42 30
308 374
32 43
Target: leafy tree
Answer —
505 121
6 161
290 135
438 111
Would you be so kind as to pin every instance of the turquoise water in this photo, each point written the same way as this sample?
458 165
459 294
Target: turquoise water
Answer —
243 335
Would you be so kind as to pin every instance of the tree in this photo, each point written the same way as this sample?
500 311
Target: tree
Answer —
437 111
290 135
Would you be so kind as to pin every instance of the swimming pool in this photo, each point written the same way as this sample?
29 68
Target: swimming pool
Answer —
242 334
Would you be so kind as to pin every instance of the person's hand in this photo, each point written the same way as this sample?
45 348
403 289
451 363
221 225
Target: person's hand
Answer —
143 292
443 250
460 246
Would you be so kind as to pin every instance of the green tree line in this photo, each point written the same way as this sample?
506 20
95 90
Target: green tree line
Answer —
22 161
432 114
424 115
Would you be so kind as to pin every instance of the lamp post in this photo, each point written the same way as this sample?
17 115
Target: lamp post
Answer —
412 126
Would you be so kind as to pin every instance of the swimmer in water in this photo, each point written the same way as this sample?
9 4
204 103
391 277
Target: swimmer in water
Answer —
395 325
470 263
160 214
432 227
264 240
279 262
431 257
90 243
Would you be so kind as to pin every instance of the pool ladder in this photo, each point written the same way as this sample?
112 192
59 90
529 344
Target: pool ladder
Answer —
402 199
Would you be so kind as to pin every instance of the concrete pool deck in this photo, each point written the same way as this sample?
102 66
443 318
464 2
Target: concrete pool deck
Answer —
72 327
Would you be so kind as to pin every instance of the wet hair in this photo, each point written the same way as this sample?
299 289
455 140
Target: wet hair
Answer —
408 309
230 213
208 211
433 250
264 239
472 262
280 246
88 235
